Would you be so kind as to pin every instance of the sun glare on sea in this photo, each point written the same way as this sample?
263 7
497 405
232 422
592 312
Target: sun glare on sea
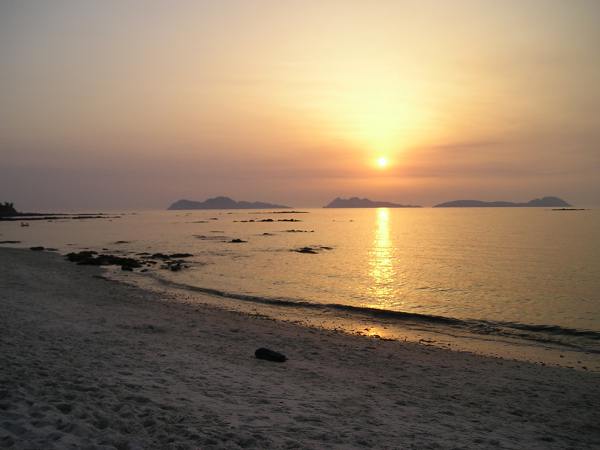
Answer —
382 162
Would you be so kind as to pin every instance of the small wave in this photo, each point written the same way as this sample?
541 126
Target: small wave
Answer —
555 329
583 340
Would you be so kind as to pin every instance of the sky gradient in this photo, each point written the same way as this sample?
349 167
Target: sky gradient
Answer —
135 104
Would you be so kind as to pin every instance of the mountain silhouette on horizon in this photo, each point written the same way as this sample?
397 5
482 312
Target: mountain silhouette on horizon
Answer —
548 202
222 203
355 202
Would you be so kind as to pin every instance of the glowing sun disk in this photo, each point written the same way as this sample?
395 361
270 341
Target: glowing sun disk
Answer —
382 162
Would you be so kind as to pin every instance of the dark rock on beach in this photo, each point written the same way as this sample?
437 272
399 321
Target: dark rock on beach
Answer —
236 241
269 355
37 248
10 242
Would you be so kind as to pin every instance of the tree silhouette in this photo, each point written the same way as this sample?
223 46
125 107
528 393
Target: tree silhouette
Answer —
7 209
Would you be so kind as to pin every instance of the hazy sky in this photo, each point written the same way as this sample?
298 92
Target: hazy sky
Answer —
134 104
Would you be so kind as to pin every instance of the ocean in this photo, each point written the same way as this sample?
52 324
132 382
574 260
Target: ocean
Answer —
506 281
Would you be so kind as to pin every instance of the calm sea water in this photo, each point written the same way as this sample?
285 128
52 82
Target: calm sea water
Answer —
523 269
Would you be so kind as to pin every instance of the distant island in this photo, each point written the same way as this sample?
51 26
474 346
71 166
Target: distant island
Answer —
222 203
8 213
548 202
8 209
356 202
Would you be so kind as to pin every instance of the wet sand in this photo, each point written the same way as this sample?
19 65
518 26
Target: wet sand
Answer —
91 363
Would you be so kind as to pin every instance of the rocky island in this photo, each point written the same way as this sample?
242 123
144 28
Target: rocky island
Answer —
355 202
222 203
547 202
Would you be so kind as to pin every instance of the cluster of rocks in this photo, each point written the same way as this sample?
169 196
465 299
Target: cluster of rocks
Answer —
164 256
312 250
220 238
211 238
39 248
267 220
172 262
91 258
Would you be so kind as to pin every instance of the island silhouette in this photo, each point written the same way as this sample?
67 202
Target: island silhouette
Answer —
355 202
548 202
8 209
8 213
222 203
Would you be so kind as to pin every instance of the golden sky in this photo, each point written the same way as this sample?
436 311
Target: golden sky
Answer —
139 103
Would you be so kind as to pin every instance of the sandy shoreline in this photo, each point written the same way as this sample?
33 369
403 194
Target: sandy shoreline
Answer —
90 363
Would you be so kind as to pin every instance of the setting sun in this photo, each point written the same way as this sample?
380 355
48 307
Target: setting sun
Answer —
382 162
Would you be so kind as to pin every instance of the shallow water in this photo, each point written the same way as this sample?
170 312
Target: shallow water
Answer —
529 272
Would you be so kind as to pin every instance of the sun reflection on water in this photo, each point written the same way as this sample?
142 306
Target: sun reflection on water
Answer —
381 261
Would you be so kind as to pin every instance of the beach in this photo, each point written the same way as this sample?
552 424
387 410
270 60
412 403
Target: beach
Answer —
86 362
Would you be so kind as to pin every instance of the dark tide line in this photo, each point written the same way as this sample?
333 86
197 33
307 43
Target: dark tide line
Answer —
549 334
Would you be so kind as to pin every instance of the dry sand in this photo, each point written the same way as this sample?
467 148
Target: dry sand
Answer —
90 363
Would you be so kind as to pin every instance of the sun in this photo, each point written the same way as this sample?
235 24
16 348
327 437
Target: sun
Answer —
382 162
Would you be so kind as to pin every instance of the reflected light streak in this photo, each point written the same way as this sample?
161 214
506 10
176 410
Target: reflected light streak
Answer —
381 261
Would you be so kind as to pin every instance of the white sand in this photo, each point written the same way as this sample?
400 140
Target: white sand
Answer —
89 363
